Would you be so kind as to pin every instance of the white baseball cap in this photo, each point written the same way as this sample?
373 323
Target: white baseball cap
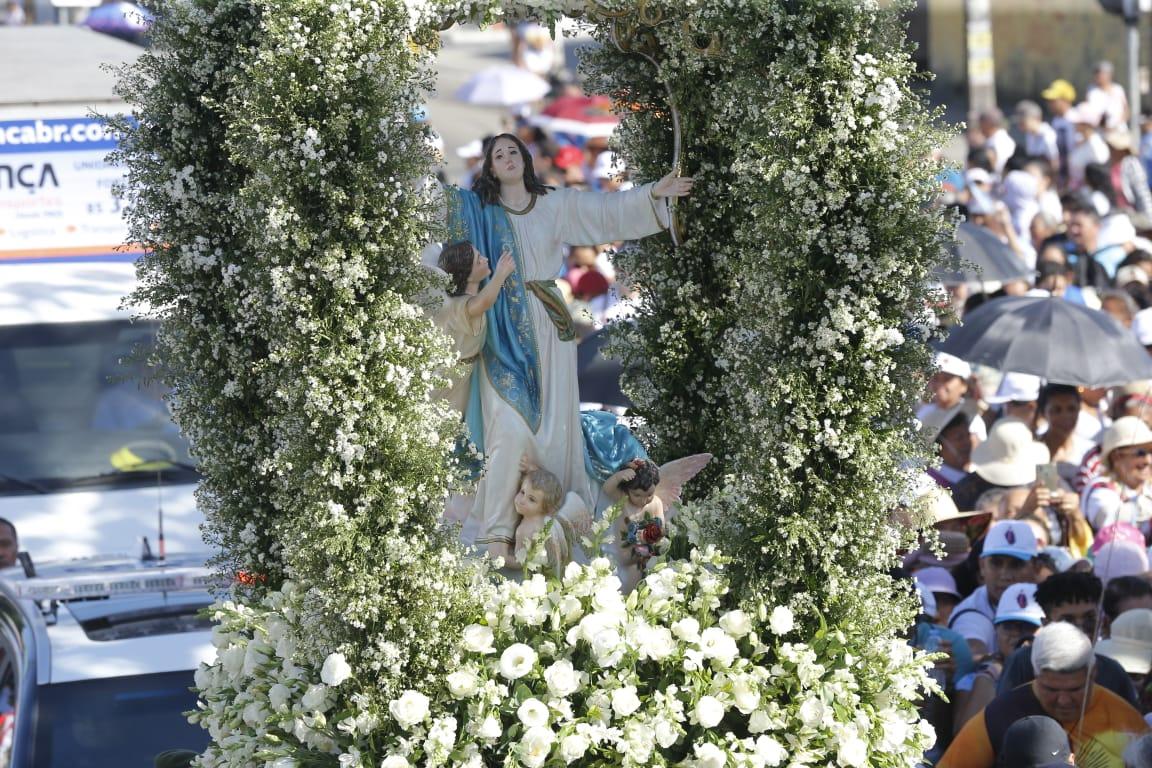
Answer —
1014 538
947 363
937 579
1018 603
1016 388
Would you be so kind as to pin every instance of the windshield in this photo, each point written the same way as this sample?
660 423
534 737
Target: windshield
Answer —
77 410
117 721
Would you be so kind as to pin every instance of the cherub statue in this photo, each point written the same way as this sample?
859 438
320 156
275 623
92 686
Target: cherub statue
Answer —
540 502
649 493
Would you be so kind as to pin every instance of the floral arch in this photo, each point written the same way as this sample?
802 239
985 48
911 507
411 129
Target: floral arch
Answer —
270 165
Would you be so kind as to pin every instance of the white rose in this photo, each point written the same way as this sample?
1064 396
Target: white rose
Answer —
490 728
535 746
709 711
478 638
410 709
687 630
853 752
561 678
608 647
517 661
284 762
709 756
659 644
812 712
745 696
759 722
394 761
781 621
314 698
335 670
462 683
736 623
625 701
232 660
770 751
279 696
533 713
573 747
717 644
666 733
571 609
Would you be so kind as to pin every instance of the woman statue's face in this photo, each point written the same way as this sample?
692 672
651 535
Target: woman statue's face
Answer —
507 162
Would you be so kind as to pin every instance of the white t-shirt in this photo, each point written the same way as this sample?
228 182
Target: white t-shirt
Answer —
1004 147
973 616
1104 505
1111 102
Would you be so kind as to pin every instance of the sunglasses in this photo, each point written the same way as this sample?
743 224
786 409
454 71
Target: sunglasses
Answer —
1137 452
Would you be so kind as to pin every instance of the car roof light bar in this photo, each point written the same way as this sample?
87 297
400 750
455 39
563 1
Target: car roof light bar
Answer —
115 584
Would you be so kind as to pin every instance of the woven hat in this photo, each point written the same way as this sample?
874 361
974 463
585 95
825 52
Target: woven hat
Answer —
1131 641
1018 603
1009 456
1125 432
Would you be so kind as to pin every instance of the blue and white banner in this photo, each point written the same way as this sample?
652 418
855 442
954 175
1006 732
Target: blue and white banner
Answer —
56 190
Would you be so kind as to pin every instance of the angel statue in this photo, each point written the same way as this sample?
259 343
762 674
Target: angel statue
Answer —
648 493
541 502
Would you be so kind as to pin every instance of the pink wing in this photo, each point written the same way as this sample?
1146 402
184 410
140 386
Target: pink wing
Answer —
676 473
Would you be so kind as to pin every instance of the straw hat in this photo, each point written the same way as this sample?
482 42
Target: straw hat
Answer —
1009 456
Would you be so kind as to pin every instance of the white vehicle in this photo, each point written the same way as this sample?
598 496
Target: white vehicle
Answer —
90 460
97 659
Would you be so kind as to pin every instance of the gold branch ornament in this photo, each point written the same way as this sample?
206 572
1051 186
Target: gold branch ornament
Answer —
633 30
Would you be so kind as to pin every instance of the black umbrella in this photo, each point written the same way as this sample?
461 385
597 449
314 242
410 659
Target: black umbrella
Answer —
599 376
978 256
1055 339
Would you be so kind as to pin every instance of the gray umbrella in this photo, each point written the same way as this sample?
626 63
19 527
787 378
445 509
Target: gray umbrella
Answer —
1057 340
978 256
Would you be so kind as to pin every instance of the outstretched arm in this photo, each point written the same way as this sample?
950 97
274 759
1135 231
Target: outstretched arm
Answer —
611 486
483 301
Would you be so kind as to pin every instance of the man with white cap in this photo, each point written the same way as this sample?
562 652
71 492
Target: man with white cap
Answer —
1123 493
1017 396
948 387
1007 559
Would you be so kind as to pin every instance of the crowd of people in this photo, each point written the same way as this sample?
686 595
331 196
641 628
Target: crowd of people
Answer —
1037 592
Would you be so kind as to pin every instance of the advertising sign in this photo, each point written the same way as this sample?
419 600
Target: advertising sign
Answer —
56 198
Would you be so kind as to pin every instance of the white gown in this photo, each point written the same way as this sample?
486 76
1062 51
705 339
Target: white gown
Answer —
562 217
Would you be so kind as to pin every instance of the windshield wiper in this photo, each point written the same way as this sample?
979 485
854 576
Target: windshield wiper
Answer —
20 482
132 474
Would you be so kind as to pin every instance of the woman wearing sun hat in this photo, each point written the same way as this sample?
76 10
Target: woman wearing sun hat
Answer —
1123 493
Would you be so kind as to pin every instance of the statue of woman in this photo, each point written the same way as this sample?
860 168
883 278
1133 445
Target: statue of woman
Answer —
525 398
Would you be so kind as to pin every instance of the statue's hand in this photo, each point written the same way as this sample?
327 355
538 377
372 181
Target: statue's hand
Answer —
673 186
506 265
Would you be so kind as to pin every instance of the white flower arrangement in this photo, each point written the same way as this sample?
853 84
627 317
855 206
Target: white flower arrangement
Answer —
663 677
